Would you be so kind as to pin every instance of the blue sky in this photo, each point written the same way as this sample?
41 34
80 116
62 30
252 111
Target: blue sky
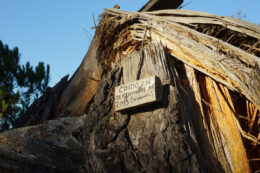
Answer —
58 32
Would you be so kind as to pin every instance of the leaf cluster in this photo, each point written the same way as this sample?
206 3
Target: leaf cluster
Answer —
20 85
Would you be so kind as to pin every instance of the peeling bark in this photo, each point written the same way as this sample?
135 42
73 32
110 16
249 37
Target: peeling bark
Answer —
197 127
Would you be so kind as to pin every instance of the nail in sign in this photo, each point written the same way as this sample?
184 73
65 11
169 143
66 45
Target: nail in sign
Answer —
138 93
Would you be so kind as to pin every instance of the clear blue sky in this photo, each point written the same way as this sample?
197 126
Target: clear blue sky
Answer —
58 32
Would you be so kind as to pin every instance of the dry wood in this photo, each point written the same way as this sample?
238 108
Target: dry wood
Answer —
153 5
207 121
49 147
225 63
211 56
194 17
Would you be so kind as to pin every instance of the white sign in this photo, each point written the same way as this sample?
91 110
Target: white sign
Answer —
138 93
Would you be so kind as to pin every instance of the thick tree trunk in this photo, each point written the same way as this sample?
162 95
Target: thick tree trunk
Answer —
205 72
50 147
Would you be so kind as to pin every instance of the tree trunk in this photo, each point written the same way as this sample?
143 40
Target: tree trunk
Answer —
206 121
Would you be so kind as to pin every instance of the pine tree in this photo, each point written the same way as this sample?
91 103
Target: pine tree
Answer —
20 85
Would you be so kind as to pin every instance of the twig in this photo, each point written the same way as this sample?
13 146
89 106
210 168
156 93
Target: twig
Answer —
255 159
93 79
94 20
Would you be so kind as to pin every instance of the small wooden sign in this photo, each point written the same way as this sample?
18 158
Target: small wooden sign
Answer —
138 93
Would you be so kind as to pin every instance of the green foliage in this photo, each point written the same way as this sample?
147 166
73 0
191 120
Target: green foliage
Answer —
20 85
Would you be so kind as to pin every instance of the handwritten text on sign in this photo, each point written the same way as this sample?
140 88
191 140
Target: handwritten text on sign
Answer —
137 93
